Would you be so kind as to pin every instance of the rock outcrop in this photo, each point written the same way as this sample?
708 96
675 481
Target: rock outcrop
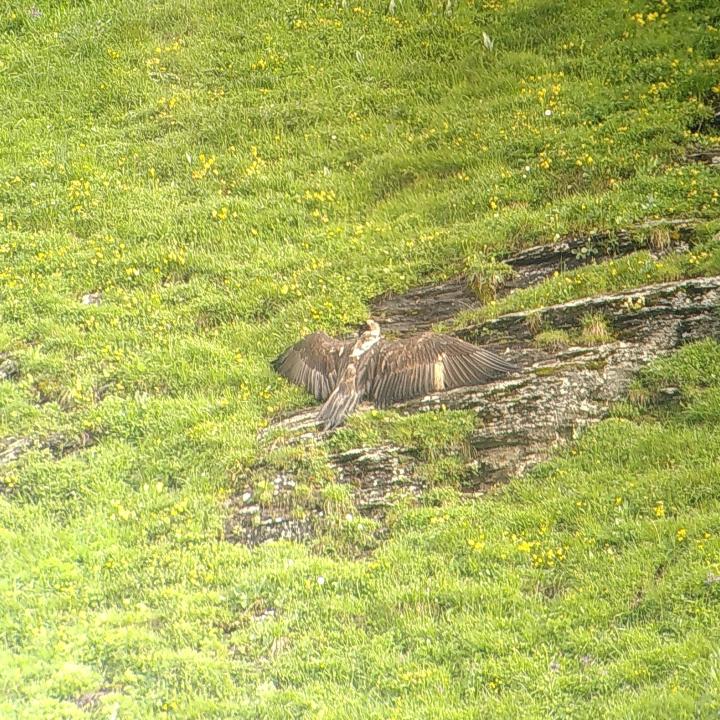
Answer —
420 308
559 392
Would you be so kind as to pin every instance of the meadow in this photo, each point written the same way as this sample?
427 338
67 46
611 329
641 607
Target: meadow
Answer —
186 188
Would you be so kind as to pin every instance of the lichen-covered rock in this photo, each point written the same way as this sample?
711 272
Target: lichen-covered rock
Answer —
520 419
707 156
9 369
58 444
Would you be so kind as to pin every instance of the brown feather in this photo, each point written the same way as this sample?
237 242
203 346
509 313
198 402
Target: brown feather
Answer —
406 368
342 401
315 363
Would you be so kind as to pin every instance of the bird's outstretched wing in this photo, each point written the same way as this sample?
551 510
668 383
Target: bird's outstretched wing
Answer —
427 363
315 363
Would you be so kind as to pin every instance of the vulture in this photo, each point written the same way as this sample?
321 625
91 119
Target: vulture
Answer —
341 373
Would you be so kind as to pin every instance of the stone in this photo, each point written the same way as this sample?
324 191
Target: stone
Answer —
521 418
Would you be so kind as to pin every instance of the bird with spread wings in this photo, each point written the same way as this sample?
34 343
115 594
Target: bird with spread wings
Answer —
341 373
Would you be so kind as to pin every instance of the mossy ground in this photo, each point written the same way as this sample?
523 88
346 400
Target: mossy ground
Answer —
227 176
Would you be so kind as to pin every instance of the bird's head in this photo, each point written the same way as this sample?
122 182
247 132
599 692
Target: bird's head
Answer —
371 327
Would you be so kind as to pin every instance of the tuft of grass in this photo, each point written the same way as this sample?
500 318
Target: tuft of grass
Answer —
534 322
659 239
595 329
553 339
486 275
447 471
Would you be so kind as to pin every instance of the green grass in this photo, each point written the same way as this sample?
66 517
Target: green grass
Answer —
231 175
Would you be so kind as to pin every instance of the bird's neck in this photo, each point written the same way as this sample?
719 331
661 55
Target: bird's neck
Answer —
363 344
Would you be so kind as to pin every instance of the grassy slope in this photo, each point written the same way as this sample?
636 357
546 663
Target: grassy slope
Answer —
229 174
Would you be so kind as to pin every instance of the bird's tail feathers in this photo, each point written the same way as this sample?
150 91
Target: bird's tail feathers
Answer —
338 406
